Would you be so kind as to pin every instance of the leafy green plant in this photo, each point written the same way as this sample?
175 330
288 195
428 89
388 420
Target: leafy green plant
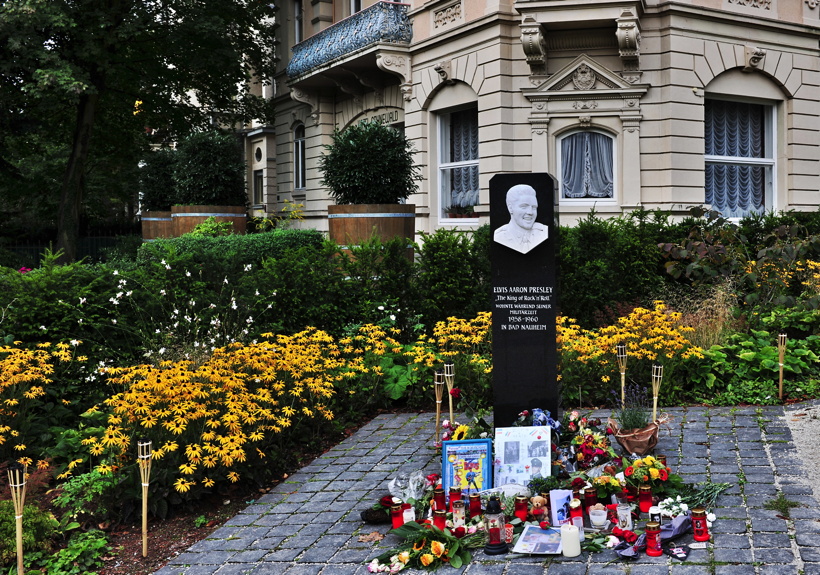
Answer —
781 504
209 170
369 163
635 413
86 497
200 521
157 190
39 530
212 228
83 554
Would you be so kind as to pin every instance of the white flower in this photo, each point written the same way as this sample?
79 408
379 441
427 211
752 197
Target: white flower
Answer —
187 274
392 318
612 541
128 293
684 507
248 267
75 342
167 267
225 280
162 292
42 327
113 321
257 292
82 300
156 331
161 350
162 262
116 273
711 517
381 308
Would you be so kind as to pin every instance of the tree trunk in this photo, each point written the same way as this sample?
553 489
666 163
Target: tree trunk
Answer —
68 218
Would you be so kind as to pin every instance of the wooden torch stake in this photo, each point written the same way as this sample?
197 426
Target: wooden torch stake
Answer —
781 350
144 460
439 387
657 377
449 379
17 483
620 350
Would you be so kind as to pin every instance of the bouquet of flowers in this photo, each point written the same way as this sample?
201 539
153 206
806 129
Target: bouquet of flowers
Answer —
650 471
607 485
591 447
427 547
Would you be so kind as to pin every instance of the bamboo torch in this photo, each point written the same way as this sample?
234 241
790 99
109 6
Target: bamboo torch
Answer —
620 350
439 386
17 483
781 350
144 460
657 377
449 379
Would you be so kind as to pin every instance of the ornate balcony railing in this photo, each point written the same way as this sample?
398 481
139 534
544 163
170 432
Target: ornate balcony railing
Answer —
382 22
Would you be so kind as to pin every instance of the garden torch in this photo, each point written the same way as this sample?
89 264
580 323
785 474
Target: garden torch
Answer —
439 386
620 351
781 351
144 460
17 483
449 379
657 377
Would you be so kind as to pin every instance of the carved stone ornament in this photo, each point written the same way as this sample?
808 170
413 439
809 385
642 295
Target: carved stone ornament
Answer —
762 4
754 58
812 3
588 105
447 15
629 45
535 45
310 99
584 78
584 121
398 64
444 69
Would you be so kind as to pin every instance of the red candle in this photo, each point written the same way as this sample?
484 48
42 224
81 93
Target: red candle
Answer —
521 507
439 499
575 509
699 526
440 518
590 498
653 539
475 505
455 495
397 516
645 498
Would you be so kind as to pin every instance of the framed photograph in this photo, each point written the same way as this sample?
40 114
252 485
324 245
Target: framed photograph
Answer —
467 464
538 541
559 505
521 454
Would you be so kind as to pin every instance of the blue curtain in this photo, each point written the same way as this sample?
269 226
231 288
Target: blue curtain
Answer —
735 129
586 166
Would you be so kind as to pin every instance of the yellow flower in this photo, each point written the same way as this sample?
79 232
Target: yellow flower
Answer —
460 432
404 557
207 482
182 485
654 473
649 460
437 548
419 545
427 559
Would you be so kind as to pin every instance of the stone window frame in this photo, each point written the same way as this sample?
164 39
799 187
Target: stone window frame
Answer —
616 192
299 167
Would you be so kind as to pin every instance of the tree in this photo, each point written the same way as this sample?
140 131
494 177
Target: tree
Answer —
68 68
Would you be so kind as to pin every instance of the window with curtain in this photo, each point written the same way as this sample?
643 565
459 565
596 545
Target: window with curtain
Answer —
739 158
299 157
458 162
258 187
586 166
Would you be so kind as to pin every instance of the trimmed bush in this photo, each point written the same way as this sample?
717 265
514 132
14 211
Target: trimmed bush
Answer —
209 170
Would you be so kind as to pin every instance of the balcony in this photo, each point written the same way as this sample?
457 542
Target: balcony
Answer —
382 23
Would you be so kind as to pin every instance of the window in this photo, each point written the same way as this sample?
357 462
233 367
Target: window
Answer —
258 187
298 17
458 162
355 6
739 157
299 157
586 166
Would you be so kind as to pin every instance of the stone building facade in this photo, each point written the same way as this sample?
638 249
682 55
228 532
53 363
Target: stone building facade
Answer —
657 103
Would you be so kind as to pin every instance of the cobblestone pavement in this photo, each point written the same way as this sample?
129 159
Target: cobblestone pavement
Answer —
310 524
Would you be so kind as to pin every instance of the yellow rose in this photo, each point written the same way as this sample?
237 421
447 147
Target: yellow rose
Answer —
654 473
404 557
637 464
426 559
649 460
438 548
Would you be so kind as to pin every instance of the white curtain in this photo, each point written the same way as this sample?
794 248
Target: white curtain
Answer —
735 129
586 166
464 147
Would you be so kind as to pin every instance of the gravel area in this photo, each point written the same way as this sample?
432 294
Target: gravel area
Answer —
804 421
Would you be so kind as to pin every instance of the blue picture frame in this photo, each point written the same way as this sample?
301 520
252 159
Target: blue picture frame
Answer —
467 464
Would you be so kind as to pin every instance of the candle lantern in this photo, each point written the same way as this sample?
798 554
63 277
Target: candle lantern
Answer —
494 523
620 351
458 512
17 483
397 515
438 382
449 379
653 539
781 351
475 505
455 495
661 459
144 460
440 518
657 378
625 516
439 499
521 507
645 498
656 515
590 498
576 516
699 526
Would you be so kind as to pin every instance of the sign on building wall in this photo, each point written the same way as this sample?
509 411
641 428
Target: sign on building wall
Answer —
525 297
387 115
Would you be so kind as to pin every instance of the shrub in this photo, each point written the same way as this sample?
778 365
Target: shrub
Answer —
39 530
209 170
157 190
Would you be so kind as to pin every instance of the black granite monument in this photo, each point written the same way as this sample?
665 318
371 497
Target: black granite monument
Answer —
525 297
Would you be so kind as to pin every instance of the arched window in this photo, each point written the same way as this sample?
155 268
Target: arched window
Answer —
586 166
458 162
739 157
299 157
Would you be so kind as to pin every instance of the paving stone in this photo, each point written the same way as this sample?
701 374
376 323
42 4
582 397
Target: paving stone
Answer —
485 568
778 570
235 569
283 555
734 570
810 554
811 569
304 569
733 555
723 541
769 525
729 526
763 540
567 569
774 555
678 569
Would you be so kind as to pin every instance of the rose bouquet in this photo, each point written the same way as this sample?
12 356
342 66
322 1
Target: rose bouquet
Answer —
591 447
427 547
650 471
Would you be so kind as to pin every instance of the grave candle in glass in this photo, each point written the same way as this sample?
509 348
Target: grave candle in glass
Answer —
576 516
699 527
645 498
521 507
475 505
494 525
590 498
440 518
458 513
439 499
653 539
455 495
625 516
397 516
661 459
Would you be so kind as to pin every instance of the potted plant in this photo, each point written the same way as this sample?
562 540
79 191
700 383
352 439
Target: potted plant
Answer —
631 424
369 170
209 174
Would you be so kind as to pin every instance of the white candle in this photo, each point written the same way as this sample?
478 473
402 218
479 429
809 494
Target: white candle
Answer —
570 542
